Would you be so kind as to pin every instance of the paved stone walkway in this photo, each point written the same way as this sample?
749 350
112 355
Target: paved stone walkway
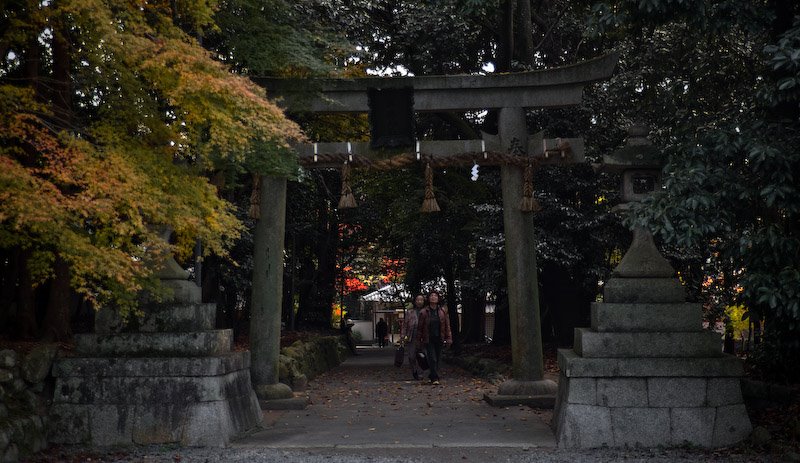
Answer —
367 402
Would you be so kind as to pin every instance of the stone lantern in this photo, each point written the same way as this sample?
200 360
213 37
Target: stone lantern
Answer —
645 373
639 162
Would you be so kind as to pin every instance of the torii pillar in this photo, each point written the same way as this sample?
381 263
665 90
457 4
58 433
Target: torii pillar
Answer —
522 279
266 301
509 93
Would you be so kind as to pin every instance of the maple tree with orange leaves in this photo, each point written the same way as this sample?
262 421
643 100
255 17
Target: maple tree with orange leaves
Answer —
112 139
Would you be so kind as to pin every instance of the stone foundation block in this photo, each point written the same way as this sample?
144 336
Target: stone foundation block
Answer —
731 425
158 424
154 367
245 410
139 390
194 344
583 426
645 427
592 344
643 290
694 426
724 391
679 317
621 392
69 424
181 318
208 424
574 366
111 424
581 391
677 392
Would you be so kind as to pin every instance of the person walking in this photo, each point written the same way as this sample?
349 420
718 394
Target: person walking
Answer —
410 334
381 330
434 332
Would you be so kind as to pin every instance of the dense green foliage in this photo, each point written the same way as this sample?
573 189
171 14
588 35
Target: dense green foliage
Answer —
718 83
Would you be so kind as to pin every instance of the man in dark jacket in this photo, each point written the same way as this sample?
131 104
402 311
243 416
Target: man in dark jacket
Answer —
381 330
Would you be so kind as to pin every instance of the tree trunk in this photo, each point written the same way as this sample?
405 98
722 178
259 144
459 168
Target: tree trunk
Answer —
305 288
9 277
55 326
525 31
505 43
323 290
473 305
502 321
325 279
449 278
62 79
566 303
26 325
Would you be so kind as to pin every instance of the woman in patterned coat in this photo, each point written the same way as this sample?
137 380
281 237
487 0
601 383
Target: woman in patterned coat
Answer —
410 334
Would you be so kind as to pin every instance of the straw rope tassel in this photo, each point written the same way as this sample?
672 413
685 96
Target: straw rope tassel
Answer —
347 200
528 202
255 198
429 204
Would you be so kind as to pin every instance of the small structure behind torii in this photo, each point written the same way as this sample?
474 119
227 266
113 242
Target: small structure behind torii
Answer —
511 148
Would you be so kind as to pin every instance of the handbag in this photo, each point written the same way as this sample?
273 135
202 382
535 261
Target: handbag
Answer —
399 354
422 360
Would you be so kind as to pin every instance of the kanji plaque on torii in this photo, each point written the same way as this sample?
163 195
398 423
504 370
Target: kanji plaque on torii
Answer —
512 148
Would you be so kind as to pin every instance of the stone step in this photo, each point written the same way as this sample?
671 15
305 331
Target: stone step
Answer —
176 317
643 290
152 366
647 317
573 365
193 344
590 343
533 401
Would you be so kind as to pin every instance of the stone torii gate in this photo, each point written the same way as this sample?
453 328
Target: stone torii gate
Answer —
511 148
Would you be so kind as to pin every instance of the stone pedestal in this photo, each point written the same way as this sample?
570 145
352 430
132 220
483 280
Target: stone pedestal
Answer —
646 373
174 379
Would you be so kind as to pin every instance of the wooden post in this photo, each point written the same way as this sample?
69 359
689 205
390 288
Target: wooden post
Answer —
265 313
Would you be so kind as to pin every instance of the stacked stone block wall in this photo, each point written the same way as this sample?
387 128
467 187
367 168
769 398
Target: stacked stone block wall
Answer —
651 411
303 361
24 397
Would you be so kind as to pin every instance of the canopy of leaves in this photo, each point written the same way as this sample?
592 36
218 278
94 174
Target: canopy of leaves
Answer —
111 114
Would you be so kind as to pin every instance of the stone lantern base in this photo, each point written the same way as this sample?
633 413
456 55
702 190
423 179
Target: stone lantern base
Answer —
174 380
646 373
